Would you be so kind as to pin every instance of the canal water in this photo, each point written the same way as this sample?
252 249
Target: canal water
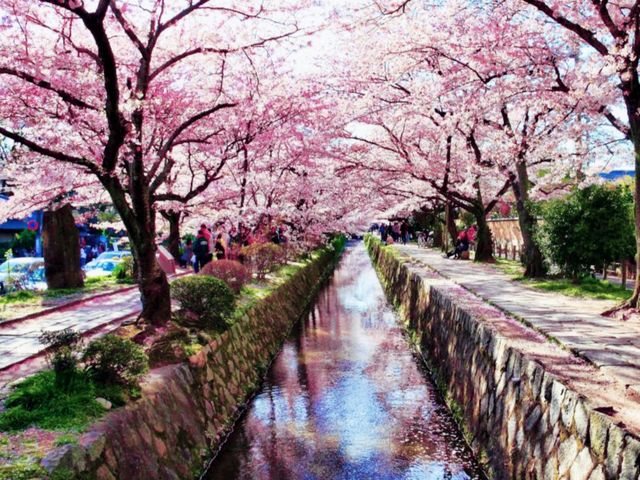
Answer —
346 399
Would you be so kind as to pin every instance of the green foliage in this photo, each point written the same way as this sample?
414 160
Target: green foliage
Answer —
62 354
66 439
25 239
338 243
206 302
233 273
124 270
38 401
114 360
264 257
22 471
592 226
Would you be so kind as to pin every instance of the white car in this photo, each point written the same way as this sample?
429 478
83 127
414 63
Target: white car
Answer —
113 255
100 268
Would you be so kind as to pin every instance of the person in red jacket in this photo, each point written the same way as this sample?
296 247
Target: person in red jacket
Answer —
462 245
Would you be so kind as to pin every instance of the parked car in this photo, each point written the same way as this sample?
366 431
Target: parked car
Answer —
35 279
100 268
113 255
16 270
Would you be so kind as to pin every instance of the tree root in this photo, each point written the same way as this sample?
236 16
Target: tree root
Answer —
623 311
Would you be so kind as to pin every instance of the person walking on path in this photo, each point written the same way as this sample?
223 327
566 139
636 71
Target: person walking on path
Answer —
187 256
201 250
383 233
404 232
219 247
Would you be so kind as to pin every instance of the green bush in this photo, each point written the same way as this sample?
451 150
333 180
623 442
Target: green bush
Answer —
206 302
63 348
26 239
263 257
590 227
124 271
115 360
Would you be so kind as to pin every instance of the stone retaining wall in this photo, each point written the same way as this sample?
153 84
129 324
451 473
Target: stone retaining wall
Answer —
186 410
522 421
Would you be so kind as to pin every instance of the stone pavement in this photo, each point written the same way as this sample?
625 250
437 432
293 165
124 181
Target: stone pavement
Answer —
610 344
19 340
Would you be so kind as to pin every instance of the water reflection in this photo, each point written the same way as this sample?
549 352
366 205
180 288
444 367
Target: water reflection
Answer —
346 399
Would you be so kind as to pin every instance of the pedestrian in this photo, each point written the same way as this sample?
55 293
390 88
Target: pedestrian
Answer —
462 245
384 232
404 232
187 255
83 257
201 250
219 247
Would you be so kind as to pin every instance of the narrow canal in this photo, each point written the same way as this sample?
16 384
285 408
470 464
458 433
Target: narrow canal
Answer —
346 399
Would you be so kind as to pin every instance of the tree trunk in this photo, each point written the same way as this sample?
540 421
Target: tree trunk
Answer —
631 92
450 226
153 283
484 247
531 255
61 244
139 220
484 243
173 218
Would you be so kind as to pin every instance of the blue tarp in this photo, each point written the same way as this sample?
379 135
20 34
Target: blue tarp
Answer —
614 175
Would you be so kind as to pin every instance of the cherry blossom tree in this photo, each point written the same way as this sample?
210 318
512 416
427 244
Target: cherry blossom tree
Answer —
586 51
110 95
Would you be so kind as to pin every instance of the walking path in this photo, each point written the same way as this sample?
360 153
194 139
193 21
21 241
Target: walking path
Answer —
610 344
19 339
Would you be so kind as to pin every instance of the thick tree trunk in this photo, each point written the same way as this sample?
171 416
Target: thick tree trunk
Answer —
139 220
173 218
531 255
631 92
484 244
450 230
61 244
153 283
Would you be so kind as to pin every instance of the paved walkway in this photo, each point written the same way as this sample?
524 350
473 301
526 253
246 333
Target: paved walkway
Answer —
19 340
610 344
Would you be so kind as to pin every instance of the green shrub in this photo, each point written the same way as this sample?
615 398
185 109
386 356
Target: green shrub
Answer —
63 348
124 271
115 360
206 302
264 257
38 401
233 273
591 226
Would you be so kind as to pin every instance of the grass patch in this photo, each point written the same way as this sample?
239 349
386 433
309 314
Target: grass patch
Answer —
513 268
23 296
588 287
91 285
38 401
